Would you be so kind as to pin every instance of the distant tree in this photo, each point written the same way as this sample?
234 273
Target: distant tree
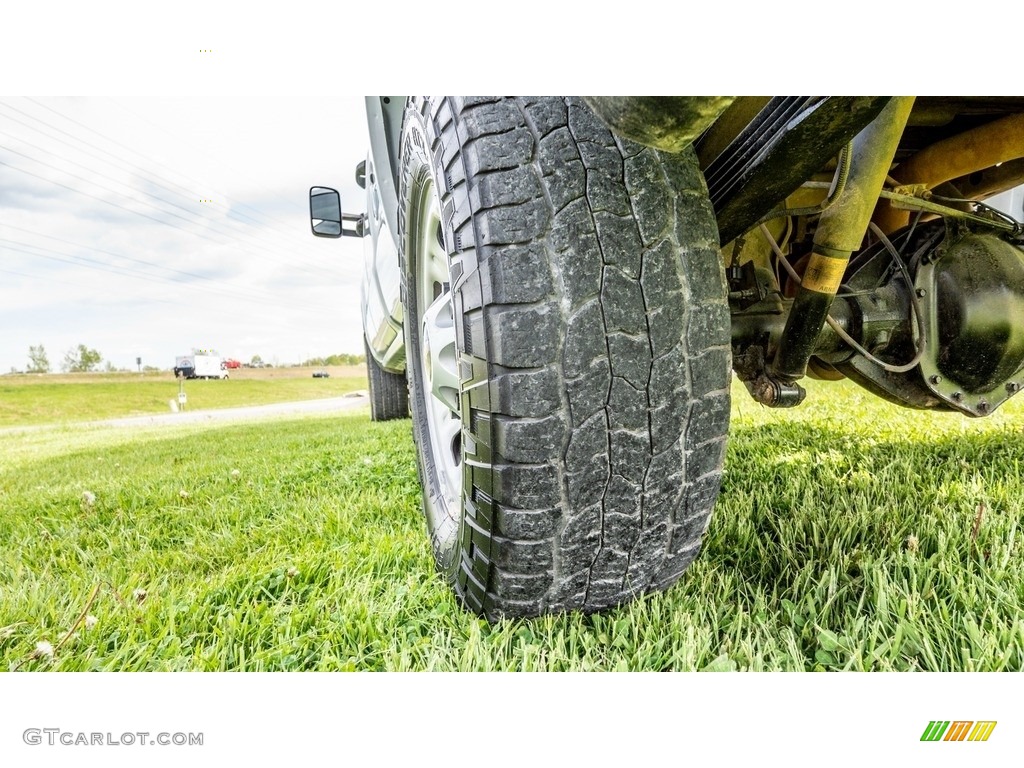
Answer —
256 361
342 358
81 359
38 362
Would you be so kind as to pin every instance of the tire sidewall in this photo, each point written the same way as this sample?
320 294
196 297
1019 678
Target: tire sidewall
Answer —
417 170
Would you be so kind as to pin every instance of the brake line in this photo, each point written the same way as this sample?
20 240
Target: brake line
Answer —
838 185
839 330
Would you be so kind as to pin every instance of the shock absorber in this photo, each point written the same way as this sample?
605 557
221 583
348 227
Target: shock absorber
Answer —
839 233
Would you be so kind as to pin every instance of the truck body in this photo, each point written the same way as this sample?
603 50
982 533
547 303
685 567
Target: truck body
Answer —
200 366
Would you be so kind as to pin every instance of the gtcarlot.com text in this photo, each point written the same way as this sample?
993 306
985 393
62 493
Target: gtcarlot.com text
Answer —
55 737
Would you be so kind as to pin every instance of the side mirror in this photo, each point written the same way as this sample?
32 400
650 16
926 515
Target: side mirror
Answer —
325 211
326 217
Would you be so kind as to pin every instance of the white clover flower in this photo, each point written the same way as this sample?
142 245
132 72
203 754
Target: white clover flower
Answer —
183 493
235 474
292 572
43 648
90 621
912 543
88 498
139 594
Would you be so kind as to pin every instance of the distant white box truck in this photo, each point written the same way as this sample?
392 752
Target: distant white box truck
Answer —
196 366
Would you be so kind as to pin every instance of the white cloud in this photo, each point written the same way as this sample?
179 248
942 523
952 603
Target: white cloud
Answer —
241 273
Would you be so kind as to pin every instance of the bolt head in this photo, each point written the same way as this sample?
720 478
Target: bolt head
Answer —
935 378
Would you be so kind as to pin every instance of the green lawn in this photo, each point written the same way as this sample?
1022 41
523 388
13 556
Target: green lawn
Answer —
54 399
848 536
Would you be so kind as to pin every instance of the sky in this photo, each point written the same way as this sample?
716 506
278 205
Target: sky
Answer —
145 227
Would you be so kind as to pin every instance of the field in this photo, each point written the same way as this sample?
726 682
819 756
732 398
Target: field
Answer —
850 535
52 398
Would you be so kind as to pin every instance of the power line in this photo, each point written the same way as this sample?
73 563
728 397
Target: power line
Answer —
86 263
138 213
130 149
287 200
208 308
318 270
115 192
256 294
106 202
91 170
117 164
156 179
50 279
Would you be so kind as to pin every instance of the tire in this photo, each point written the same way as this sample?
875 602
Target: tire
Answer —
389 394
567 338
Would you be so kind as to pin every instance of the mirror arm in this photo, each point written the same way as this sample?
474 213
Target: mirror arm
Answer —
359 225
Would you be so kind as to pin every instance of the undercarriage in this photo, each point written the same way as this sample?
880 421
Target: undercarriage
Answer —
857 242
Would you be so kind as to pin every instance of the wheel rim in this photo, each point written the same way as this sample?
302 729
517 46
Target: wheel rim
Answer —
437 357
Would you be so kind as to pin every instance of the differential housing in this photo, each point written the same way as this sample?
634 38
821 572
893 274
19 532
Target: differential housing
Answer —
973 291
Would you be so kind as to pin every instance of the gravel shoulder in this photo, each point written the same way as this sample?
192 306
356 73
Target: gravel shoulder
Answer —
351 401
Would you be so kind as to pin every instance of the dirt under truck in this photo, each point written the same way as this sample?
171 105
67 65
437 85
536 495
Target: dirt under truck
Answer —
560 290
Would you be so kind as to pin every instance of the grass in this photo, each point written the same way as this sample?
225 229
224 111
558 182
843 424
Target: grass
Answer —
48 399
850 535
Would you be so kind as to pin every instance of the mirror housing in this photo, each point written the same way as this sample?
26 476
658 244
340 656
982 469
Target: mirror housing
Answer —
325 211
326 218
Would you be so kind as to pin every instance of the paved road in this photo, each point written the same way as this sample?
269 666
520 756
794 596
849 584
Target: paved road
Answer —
248 413
251 412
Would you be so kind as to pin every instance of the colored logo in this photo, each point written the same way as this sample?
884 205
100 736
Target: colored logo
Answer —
959 730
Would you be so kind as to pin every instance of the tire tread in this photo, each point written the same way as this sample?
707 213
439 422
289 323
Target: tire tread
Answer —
389 392
601 345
